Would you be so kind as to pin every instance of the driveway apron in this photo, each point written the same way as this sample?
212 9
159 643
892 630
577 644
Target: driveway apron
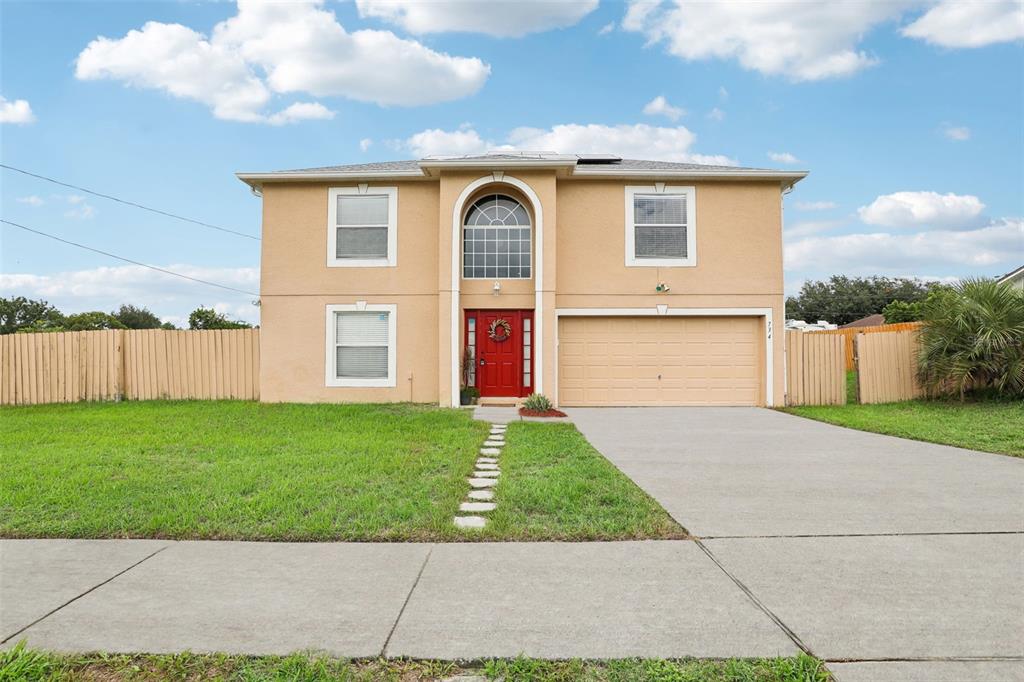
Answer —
892 559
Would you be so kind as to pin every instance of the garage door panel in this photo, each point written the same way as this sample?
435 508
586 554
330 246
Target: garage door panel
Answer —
701 361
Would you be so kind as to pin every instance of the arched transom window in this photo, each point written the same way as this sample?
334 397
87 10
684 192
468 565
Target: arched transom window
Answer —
496 239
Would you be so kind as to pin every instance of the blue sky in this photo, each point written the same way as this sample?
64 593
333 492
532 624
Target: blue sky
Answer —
908 115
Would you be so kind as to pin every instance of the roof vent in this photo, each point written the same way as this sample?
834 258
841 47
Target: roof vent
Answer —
594 159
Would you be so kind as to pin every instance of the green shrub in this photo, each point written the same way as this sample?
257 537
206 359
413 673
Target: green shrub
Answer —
902 311
538 403
973 340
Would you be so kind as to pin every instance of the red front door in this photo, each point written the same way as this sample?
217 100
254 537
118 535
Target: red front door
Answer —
501 360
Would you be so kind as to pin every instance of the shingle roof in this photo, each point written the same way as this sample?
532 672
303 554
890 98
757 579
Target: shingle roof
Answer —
414 164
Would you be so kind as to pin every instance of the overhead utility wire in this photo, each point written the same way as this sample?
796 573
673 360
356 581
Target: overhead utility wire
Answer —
129 203
127 260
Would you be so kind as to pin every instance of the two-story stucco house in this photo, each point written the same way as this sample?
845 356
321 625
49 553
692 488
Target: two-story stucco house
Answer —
592 279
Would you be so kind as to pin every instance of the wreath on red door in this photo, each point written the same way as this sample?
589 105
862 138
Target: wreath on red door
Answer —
500 330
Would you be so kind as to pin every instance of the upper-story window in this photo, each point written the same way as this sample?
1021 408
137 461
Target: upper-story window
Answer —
362 227
496 239
661 228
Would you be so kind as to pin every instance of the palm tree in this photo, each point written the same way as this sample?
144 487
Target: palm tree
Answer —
973 338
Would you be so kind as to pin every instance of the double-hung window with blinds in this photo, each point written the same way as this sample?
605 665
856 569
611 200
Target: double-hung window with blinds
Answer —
361 344
362 229
660 227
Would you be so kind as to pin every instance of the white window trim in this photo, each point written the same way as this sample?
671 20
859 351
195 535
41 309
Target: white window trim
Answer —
331 378
691 227
332 227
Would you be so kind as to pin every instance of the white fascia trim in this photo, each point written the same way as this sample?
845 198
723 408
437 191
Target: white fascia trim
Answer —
1010 276
665 311
330 377
583 171
691 227
332 224
538 275
251 178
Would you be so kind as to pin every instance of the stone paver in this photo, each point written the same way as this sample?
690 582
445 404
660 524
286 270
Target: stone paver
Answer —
494 443
490 452
486 474
483 482
889 597
470 521
591 600
929 671
481 495
487 460
38 576
242 597
748 471
477 506
486 465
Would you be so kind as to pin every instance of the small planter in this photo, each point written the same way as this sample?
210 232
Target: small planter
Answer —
553 413
468 396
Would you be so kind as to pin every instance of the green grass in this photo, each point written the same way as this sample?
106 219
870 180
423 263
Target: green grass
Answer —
989 426
34 666
851 387
545 463
244 470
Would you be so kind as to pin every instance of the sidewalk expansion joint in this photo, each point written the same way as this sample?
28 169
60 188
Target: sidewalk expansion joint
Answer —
76 598
927 659
394 626
757 602
860 535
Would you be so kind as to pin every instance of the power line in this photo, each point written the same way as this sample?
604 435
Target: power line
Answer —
127 260
129 203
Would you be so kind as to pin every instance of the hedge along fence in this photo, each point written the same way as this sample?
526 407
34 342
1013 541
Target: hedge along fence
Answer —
852 332
136 364
887 366
815 369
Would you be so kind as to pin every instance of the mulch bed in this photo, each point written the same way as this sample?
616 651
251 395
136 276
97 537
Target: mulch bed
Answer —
523 412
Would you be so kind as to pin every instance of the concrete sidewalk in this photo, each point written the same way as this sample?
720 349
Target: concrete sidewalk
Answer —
454 601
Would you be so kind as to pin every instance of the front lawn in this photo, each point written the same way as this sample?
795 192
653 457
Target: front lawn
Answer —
989 426
250 471
35 666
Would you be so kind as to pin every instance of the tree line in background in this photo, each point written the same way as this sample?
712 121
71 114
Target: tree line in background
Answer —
841 300
21 315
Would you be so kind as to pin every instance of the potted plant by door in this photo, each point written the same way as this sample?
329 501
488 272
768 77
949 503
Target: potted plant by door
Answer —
467 394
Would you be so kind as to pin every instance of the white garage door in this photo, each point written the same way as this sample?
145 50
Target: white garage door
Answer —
659 361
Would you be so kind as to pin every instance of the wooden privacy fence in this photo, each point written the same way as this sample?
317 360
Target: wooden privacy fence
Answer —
849 334
136 364
815 369
887 367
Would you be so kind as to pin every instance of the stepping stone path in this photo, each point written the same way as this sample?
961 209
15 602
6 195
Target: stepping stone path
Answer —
480 499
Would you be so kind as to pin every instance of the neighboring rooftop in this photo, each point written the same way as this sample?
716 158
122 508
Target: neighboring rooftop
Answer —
869 321
568 164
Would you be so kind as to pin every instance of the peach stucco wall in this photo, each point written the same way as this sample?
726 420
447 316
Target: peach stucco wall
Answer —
739 254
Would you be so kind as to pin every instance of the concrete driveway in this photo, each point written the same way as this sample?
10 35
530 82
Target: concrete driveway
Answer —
892 559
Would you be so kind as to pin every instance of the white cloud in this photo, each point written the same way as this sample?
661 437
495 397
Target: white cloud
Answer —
639 141
723 94
500 18
783 157
18 111
31 200
659 106
815 205
956 23
301 111
923 209
800 40
606 29
437 142
1000 242
365 144
716 114
957 133
106 288
280 48
80 208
